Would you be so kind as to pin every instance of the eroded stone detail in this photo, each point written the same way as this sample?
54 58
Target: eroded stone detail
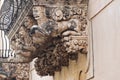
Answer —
18 70
22 43
59 35
66 28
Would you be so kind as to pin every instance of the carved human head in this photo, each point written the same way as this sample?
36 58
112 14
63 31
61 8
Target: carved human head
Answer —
29 21
39 12
22 32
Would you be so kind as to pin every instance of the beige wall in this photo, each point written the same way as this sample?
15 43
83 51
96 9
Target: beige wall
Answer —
106 40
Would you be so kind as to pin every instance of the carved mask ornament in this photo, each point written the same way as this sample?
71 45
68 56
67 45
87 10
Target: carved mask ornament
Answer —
60 34
62 30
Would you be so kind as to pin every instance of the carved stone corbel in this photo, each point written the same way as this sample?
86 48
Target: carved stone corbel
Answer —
59 34
64 30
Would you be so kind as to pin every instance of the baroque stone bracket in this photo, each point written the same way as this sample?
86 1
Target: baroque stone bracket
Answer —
55 33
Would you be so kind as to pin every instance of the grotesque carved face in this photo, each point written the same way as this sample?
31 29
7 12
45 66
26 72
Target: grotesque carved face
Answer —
22 32
38 12
29 21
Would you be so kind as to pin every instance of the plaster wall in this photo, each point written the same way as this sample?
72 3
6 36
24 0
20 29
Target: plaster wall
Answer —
105 26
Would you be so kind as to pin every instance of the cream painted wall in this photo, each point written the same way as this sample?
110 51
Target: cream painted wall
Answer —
95 6
106 42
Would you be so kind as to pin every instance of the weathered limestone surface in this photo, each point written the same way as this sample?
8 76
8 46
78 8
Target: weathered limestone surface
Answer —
18 70
56 33
22 43
57 38
66 26
75 71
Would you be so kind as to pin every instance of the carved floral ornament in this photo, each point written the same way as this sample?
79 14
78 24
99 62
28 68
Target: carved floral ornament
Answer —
53 34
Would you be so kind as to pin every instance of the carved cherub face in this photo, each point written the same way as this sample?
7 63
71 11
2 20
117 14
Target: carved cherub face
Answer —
22 32
38 12
27 22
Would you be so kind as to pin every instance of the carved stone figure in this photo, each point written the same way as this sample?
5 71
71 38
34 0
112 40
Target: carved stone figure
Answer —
29 21
23 42
59 34
64 28
39 14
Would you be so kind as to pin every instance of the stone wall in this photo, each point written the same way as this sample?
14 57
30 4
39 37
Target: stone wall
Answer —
76 70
